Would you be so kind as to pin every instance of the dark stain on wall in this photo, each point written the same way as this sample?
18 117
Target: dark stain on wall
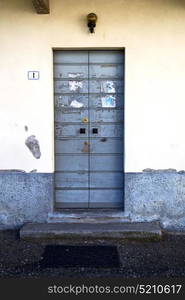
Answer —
170 170
12 171
33 145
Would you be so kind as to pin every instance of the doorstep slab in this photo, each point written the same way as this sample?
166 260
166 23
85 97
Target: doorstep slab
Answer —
80 231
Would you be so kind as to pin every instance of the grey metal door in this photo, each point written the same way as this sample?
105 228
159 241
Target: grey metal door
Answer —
88 129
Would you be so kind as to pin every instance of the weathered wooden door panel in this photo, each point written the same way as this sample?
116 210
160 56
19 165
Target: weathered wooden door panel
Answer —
106 130
65 116
65 102
72 180
71 86
97 100
108 162
71 71
106 198
109 71
71 129
106 115
71 163
106 86
106 57
71 198
106 180
71 146
70 57
88 129
106 127
106 145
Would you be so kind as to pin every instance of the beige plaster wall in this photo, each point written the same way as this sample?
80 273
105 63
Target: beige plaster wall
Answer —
152 32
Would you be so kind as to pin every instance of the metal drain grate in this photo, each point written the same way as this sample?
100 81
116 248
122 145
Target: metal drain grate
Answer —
56 256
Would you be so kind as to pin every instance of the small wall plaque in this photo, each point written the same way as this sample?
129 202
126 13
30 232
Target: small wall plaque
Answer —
33 75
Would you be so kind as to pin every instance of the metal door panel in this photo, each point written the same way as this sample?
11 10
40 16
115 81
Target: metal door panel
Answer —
106 162
66 102
71 57
70 71
88 95
106 168
107 71
107 130
105 180
71 86
95 101
70 115
106 115
103 57
71 163
109 145
71 146
71 180
106 86
71 103
71 198
70 130
106 198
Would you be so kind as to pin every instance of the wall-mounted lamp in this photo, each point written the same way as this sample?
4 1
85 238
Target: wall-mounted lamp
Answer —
91 21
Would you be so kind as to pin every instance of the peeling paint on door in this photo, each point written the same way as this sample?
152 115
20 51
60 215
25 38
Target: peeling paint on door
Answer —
86 147
108 101
76 104
33 145
75 75
75 85
108 87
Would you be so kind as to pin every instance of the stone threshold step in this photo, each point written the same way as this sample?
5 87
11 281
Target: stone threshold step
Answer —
79 231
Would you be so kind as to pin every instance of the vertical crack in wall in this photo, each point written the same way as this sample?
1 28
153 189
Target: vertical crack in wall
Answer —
33 145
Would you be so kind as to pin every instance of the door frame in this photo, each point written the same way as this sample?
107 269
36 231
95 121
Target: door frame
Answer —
123 49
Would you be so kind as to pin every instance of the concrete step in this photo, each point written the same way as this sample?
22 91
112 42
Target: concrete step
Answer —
84 216
75 232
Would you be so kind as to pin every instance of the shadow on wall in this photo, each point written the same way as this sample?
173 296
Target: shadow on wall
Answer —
175 3
18 6
27 6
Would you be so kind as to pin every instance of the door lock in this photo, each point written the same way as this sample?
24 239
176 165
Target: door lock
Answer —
95 131
82 130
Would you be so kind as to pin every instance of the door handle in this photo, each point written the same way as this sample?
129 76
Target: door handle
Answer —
82 130
95 131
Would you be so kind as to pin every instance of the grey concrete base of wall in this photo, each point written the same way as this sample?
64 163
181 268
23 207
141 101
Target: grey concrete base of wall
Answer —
25 197
149 196
156 195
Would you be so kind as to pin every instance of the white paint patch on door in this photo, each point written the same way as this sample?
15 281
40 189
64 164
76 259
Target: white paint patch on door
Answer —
76 104
75 85
108 101
75 75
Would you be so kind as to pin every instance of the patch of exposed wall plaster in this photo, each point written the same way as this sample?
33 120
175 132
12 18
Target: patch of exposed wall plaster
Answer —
33 145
